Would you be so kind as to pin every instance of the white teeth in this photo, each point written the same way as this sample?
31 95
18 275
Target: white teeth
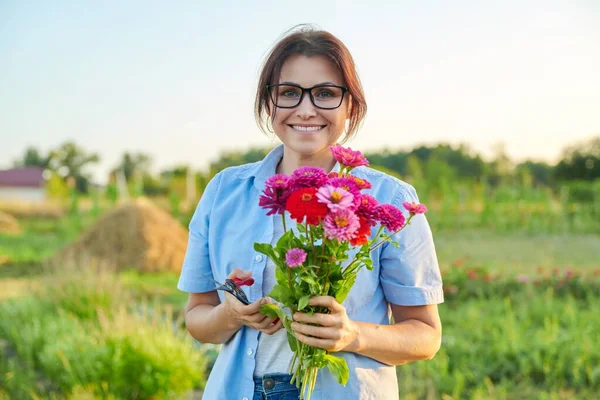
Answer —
307 128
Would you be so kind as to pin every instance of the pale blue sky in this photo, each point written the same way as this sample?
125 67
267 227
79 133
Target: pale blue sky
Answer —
177 79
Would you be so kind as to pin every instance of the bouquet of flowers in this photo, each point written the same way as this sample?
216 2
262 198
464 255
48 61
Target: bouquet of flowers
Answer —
333 217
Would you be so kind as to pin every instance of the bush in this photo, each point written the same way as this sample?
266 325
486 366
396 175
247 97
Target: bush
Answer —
82 336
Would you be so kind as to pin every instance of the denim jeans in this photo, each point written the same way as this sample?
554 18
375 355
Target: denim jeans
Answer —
275 387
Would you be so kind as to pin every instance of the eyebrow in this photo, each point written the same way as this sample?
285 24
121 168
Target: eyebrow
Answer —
318 84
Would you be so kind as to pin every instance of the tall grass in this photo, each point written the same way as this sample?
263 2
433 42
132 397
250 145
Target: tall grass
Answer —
81 333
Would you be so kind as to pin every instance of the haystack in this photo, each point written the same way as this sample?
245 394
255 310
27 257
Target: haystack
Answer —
135 235
9 224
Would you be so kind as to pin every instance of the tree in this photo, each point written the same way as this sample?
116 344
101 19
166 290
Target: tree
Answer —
580 162
70 161
33 158
134 164
233 158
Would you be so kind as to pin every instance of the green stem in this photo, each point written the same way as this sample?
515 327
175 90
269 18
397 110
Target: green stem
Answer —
312 245
390 236
283 220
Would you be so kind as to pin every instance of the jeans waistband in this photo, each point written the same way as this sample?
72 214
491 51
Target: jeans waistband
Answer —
274 383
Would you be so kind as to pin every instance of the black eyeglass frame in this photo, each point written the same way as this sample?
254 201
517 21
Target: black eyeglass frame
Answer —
312 99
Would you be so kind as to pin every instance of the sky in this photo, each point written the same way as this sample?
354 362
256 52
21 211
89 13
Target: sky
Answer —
177 80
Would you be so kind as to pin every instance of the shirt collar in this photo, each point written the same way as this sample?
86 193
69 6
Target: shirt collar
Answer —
266 168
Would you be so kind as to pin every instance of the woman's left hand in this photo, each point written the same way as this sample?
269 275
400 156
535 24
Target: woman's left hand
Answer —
336 332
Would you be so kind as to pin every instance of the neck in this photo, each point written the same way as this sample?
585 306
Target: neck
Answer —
292 161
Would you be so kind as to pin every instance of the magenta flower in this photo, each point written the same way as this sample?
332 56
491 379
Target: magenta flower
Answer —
366 207
348 157
335 198
307 177
341 224
390 217
275 194
295 257
415 208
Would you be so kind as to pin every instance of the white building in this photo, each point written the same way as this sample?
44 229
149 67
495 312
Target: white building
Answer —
22 184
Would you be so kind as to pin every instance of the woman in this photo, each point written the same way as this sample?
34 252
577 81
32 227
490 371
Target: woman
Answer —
310 96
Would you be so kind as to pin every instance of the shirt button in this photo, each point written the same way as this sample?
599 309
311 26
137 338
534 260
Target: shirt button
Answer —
258 258
245 398
249 351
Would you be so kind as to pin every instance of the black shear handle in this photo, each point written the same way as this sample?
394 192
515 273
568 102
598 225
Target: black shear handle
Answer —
231 287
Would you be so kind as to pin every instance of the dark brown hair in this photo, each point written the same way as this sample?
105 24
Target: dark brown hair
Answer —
308 41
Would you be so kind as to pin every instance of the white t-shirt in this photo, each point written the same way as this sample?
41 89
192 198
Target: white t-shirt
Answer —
273 354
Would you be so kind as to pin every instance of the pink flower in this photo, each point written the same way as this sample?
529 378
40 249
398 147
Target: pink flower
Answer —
295 257
275 194
307 177
366 207
348 185
348 157
335 198
341 224
390 217
415 208
522 279
361 183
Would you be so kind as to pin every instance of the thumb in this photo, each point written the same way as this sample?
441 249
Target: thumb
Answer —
254 307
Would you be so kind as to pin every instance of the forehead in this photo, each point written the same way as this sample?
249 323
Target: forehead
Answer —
310 71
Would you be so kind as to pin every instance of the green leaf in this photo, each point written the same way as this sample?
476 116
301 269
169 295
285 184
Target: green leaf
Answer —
338 368
267 250
270 310
292 341
345 288
303 302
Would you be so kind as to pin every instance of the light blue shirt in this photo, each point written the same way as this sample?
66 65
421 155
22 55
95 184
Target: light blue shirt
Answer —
222 233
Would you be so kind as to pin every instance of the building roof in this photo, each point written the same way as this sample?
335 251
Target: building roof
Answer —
22 177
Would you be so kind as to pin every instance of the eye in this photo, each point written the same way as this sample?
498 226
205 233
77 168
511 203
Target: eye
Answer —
289 92
324 94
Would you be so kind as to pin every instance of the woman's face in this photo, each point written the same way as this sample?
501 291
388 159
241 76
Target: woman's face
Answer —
306 129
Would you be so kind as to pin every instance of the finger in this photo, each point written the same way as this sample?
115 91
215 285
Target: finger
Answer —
239 273
265 323
326 344
255 319
316 331
253 308
326 301
272 329
317 318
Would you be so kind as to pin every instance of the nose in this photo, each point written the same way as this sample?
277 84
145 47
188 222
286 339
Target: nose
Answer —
306 108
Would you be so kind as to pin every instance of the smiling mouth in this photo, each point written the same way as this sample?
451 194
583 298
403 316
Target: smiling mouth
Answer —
307 129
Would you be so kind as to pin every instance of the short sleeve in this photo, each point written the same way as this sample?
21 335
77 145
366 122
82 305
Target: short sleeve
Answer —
196 272
410 274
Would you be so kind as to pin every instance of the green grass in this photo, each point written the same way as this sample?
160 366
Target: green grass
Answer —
40 239
518 253
84 334
502 340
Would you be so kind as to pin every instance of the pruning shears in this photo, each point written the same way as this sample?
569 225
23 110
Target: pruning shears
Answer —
233 287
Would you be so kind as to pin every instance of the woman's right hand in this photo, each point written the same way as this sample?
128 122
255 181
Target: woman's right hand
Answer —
249 315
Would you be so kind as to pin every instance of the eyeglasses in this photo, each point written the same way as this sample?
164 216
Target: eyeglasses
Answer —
326 97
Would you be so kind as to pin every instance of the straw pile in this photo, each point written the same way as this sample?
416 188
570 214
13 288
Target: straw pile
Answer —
9 224
135 235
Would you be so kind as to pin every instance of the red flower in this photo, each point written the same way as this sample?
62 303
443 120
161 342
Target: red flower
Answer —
362 236
304 203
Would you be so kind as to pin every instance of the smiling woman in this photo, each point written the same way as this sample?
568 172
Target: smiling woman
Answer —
309 95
